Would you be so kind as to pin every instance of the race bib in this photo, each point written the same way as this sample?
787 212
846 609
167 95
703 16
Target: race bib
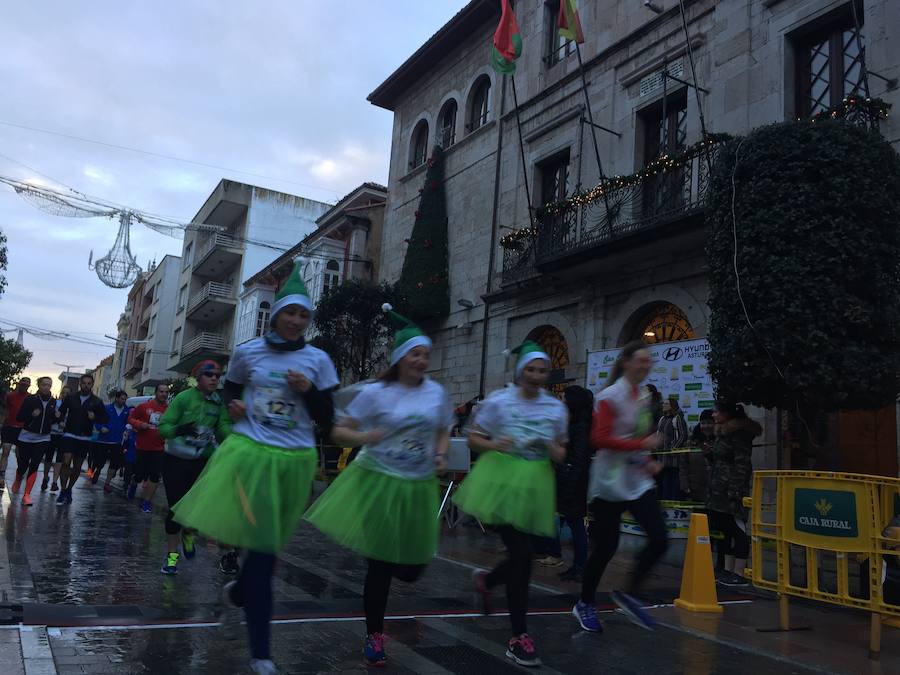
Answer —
154 418
276 406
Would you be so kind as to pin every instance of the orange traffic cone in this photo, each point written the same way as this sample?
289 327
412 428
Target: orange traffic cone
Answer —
698 583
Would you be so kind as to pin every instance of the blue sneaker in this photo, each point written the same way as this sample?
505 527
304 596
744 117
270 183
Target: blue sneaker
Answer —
69 496
171 566
373 650
146 506
586 614
130 492
633 610
187 545
62 498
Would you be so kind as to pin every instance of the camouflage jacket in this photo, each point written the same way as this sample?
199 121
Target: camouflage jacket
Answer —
731 466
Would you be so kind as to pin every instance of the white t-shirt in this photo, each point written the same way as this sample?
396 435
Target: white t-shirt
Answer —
411 417
276 415
532 424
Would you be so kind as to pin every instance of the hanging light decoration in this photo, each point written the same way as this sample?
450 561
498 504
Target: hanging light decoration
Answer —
118 268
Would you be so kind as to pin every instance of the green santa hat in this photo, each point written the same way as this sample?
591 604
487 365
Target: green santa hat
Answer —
292 293
408 335
527 352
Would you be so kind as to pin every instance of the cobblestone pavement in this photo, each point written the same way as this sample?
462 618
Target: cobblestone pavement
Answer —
89 573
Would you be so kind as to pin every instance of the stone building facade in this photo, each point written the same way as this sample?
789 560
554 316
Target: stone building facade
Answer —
634 267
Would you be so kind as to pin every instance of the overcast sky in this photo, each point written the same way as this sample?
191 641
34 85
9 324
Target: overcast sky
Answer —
276 88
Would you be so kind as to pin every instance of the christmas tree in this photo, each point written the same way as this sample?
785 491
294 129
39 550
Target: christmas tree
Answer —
424 281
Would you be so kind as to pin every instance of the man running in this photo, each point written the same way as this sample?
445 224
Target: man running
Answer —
9 433
77 414
54 454
37 414
194 424
111 439
150 445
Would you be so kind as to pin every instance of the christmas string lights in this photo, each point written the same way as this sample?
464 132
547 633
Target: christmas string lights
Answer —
874 109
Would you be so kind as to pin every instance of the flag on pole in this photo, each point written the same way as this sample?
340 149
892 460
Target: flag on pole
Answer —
507 42
569 24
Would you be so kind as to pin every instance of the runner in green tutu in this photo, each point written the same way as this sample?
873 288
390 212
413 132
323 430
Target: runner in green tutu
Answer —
256 486
512 486
403 423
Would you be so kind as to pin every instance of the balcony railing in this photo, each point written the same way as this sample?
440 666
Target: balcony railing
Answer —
205 342
214 241
670 189
212 290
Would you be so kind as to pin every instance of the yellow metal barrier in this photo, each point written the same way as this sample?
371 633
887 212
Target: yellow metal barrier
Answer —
821 521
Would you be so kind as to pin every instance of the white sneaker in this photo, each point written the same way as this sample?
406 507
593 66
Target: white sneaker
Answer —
263 667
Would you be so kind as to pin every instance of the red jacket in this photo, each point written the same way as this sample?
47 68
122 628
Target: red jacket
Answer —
148 413
14 401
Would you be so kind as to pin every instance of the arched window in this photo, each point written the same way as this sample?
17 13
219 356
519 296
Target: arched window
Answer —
332 277
664 322
446 135
479 103
262 317
554 344
418 148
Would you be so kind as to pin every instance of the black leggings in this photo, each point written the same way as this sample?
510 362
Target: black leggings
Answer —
605 540
31 455
515 572
736 541
378 586
179 476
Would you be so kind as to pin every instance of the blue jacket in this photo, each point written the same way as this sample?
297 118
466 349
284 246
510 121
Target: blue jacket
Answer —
116 425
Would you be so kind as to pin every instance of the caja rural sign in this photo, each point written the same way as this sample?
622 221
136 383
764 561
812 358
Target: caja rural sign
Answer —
827 514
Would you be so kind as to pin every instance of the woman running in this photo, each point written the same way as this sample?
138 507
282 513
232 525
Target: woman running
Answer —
621 480
512 486
403 424
256 486
36 415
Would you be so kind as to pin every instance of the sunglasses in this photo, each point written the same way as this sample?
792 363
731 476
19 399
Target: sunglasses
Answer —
207 374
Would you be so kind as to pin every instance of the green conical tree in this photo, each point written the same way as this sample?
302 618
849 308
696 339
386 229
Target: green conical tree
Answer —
424 281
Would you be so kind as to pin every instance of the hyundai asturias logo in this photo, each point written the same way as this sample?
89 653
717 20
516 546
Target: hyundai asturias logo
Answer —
672 354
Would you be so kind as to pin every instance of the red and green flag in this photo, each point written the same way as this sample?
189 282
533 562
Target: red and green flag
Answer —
507 42
569 24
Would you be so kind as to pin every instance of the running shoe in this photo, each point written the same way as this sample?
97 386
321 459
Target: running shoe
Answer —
45 483
521 650
263 667
146 506
187 545
633 610
17 483
61 499
484 593
228 563
171 566
586 613
68 495
54 487
732 580
373 650
26 500
90 473
130 492
550 561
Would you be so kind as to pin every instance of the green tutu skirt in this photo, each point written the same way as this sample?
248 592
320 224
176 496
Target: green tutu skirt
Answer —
250 495
506 490
380 516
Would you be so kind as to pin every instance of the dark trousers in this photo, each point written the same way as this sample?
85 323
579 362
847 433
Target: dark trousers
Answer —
378 586
253 592
179 476
605 540
735 542
669 483
515 573
101 453
30 457
579 541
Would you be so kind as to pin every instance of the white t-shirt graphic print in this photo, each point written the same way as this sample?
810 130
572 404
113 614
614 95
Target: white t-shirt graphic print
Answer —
276 415
411 417
531 424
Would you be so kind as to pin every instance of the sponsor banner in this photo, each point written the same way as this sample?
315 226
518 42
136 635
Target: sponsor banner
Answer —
678 521
680 370
827 514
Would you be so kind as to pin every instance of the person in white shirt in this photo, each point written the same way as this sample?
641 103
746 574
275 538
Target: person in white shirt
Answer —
403 423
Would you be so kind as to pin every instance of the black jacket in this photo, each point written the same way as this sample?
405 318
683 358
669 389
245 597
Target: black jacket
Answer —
41 424
75 415
572 475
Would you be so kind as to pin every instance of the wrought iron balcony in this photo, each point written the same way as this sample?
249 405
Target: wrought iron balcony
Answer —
669 189
213 343
217 253
212 303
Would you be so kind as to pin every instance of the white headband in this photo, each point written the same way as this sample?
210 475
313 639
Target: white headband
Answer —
408 346
525 359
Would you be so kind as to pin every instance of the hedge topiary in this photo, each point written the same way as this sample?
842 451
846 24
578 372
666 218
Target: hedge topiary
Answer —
818 256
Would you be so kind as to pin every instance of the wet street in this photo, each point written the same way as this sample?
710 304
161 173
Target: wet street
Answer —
82 593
